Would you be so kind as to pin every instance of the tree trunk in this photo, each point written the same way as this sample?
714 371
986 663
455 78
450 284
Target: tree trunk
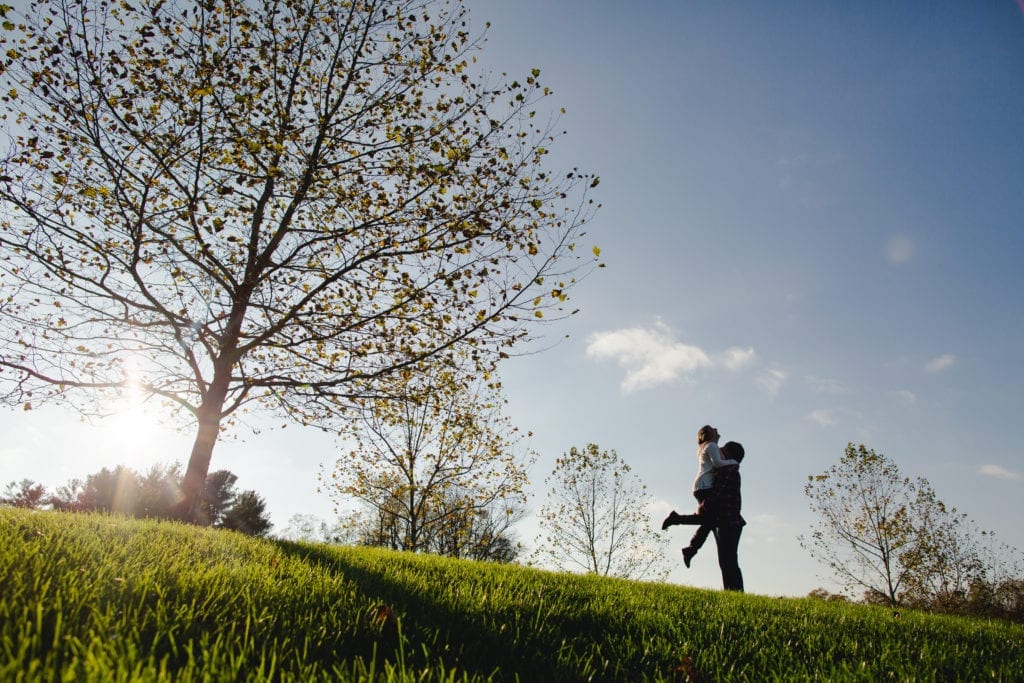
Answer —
209 416
188 509
414 521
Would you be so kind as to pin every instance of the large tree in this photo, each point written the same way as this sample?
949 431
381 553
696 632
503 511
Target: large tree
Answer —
864 523
436 463
218 203
892 538
596 518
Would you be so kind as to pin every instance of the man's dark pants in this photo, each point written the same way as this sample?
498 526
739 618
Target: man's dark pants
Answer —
727 538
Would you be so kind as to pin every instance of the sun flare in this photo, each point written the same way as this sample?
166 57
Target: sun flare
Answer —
136 437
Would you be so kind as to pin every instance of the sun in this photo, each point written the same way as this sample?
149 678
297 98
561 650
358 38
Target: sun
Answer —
137 438
133 430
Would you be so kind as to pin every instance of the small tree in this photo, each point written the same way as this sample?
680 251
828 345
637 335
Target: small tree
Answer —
1007 601
482 534
822 594
479 534
217 497
432 460
67 497
109 490
309 528
247 514
305 527
891 537
24 494
159 490
596 518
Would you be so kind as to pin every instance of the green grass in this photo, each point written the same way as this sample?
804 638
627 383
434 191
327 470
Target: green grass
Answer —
95 598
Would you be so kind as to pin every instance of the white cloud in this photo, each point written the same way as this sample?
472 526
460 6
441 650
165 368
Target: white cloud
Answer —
905 397
937 365
735 358
788 165
653 356
899 249
824 385
771 381
658 509
825 418
769 529
999 472
800 173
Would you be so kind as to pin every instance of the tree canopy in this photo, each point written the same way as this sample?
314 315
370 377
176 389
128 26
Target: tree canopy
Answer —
892 538
224 204
595 518
437 466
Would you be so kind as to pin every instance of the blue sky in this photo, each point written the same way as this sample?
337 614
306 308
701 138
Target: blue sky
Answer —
813 217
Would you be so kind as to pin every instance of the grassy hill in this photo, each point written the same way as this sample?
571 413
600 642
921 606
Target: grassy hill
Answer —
95 598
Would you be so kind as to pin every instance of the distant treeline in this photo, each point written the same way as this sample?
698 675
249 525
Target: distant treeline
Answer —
123 490
986 599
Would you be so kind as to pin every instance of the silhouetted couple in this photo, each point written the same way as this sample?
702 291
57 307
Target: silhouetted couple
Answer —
717 490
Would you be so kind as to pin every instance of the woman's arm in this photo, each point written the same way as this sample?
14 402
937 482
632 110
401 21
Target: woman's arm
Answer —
715 456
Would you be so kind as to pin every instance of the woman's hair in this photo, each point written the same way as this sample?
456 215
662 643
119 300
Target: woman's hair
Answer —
704 434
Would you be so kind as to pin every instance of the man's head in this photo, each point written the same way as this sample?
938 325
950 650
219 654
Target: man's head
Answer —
733 450
705 434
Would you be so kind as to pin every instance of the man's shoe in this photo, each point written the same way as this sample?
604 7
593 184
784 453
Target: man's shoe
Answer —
671 520
688 554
